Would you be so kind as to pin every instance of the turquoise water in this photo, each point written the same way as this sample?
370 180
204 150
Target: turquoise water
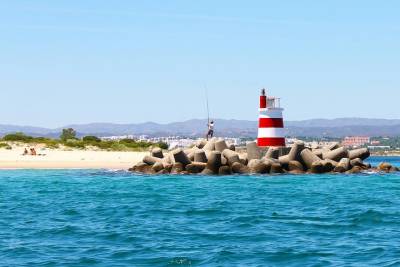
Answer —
104 218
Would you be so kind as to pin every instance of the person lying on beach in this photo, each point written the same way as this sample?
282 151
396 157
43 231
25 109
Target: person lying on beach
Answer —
33 152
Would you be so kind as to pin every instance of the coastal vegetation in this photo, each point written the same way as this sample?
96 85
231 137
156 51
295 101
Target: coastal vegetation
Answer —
392 142
5 145
68 134
68 139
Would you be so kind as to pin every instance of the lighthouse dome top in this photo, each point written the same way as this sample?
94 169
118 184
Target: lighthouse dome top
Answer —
269 102
273 102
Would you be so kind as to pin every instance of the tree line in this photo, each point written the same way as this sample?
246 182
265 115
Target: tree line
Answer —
68 138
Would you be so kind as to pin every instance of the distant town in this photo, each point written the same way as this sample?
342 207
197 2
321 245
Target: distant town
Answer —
378 145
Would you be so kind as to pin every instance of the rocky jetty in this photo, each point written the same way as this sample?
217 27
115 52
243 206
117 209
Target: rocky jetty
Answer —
216 157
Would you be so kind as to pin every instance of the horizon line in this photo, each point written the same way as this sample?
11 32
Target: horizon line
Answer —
194 119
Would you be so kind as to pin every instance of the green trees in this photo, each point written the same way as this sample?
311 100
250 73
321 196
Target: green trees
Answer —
68 134
162 145
17 137
68 139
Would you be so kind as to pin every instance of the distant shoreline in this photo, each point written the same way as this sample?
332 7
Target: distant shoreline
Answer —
385 155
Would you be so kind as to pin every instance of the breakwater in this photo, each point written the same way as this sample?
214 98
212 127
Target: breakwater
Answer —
215 157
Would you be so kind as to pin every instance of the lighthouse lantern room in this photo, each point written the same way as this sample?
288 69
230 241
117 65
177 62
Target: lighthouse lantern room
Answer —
270 128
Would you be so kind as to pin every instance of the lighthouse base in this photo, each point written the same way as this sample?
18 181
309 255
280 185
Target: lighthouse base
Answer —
268 141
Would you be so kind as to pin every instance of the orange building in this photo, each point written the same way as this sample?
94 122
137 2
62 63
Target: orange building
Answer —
355 141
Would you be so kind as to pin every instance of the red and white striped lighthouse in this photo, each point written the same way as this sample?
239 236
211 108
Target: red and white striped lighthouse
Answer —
270 127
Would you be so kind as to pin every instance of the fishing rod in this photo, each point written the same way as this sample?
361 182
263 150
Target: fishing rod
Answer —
208 111
208 107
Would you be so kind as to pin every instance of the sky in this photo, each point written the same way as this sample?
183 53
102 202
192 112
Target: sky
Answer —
75 61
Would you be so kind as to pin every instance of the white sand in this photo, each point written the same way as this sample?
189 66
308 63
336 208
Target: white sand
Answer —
76 159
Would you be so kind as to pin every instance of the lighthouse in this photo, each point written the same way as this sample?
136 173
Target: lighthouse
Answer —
270 126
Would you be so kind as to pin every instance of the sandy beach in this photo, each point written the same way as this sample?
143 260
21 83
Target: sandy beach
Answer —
75 159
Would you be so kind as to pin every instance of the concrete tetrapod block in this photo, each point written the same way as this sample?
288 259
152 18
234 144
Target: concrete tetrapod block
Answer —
294 153
177 168
384 166
253 151
208 153
284 160
272 153
141 167
231 156
181 157
243 158
387 167
191 156
157 153
220 145
195 167
232 147
362 153
224 161
328 165
343 165
357 162
355 169
270 161
168 159
283 151
336 154
201 143
190 153
258 166
210 146
295 166
268 165
317 167
308 158
224 170
214 161
150 160
276 168
334 163
319 152
158 167
188 150
168 167
207 172
239 168
200 156
162 172
332 146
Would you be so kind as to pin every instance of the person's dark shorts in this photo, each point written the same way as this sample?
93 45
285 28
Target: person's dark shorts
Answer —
210 133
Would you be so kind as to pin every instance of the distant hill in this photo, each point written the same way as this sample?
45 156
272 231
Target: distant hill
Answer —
314 128
4 129
340 122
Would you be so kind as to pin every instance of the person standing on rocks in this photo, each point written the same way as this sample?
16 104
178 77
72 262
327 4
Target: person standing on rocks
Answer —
210 132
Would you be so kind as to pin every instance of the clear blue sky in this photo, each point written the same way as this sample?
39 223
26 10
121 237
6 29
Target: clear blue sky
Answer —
75 61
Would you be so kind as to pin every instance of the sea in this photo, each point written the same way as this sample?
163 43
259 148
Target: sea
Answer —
116 218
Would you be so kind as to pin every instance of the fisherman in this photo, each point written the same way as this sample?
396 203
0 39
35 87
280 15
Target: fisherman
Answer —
210 132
